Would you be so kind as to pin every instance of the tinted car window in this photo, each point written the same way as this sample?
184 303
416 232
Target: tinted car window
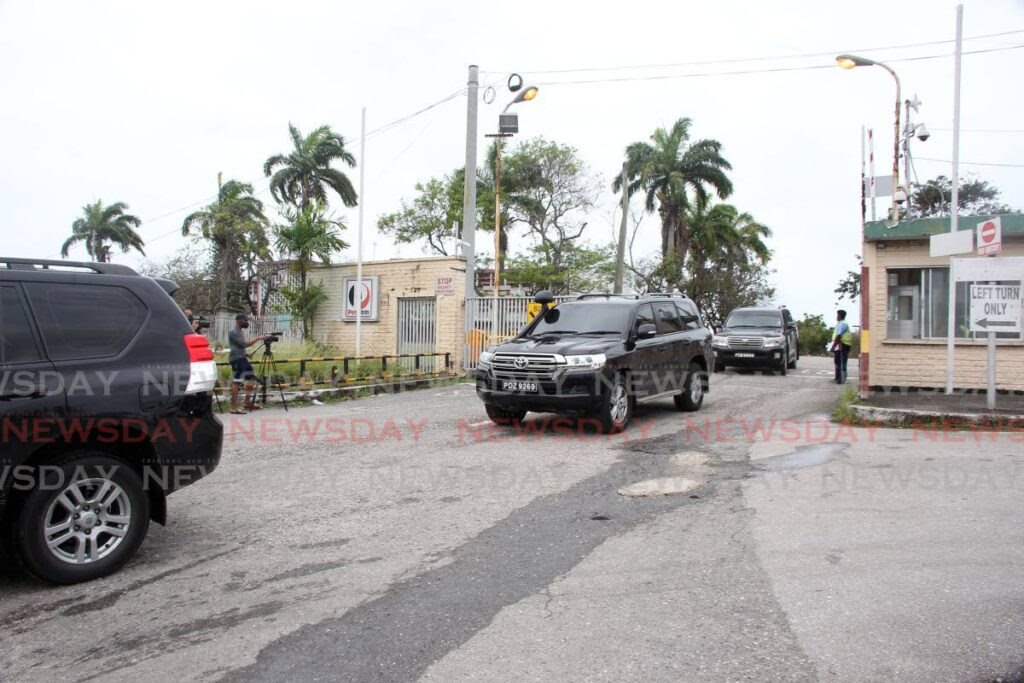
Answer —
582 318
17 343
754 319
786 316
688 314
85 321
644 316
668 318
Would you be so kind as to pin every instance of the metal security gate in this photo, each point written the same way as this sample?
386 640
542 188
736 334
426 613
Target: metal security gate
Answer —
484 328
417 318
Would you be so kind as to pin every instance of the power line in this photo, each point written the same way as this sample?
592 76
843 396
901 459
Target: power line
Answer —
970 163
981 130
761 59
809 67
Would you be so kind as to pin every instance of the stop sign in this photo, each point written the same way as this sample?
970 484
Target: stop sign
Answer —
990 237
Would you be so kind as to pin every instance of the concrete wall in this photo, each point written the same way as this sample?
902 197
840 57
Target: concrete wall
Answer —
399 278
922 363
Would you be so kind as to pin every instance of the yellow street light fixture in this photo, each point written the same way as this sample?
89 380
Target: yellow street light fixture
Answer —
848 61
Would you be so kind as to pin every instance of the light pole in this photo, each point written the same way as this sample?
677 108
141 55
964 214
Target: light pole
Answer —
508 125
851 61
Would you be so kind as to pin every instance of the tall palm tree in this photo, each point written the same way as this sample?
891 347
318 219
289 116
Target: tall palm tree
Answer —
102 228
667 170
722 235
235 226
305 174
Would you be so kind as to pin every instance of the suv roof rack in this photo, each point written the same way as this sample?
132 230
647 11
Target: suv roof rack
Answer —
607 295
51 264
669 294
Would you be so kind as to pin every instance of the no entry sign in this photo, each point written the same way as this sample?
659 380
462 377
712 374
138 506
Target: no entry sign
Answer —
990 237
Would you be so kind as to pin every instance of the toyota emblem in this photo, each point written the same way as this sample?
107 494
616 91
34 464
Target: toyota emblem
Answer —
520 362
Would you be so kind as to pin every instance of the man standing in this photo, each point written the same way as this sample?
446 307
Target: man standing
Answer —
241 368
842 341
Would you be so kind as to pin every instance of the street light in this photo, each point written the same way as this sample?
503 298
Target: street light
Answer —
508 124
846 61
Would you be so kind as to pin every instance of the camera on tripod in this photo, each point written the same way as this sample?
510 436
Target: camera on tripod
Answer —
201 322
272 338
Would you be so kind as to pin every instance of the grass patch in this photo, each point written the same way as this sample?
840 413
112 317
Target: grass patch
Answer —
843 412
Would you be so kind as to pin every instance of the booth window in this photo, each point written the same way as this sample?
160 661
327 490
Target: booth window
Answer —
917 305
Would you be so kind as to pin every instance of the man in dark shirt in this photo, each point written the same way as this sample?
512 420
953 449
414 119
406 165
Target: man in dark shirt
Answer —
241 368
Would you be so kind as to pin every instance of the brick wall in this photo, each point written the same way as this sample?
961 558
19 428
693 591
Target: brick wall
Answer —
398 278
922 363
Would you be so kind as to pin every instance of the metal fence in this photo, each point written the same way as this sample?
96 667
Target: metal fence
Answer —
224 322
417 317
487 325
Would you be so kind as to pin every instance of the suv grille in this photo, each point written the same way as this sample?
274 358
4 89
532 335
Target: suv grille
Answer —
525 365
746 342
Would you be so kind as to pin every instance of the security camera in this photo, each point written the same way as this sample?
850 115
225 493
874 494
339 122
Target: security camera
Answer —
922 133
900 196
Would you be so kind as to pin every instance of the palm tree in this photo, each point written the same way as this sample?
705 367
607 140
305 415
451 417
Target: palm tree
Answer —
668 169
235 226
102 228
720 234
305 174
308 237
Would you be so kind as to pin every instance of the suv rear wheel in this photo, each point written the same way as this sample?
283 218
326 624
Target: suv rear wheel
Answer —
616 406
693 391
85 519
504 417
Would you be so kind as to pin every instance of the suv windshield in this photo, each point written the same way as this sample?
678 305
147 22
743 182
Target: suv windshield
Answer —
754 319
583 319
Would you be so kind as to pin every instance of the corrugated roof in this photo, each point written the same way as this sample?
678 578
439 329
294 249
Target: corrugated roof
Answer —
919 228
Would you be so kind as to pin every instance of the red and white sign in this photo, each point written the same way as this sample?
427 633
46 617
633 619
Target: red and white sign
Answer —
361 298
990 237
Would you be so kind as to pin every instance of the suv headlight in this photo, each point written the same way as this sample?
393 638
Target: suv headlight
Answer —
485 359
773 342
720 340
590 361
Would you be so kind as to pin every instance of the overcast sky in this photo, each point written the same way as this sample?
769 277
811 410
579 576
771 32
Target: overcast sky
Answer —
144 103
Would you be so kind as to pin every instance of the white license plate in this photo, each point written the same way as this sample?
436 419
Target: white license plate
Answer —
509 385
744 355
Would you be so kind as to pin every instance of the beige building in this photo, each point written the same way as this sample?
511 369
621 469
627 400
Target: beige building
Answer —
409 306
907 296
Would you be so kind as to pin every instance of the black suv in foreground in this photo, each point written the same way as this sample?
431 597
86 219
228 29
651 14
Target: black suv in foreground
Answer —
599 355
105 408
758 338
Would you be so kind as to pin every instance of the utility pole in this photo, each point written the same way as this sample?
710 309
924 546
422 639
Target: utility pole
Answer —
469 186
954 203
620 263
497 232
359 235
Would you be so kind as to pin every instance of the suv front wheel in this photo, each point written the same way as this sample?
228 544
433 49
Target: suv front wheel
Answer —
616 406
85 518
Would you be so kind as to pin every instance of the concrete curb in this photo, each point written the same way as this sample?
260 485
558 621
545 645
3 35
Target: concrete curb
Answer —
903 416
393 387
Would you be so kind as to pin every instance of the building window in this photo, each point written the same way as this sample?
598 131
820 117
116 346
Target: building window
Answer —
917 305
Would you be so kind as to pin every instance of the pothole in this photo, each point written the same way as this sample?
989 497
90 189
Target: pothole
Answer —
663 486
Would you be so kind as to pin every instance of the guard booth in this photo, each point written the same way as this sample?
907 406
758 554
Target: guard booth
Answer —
907 292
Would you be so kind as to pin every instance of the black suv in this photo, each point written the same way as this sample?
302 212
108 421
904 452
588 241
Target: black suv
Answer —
599 355
758 338
105 408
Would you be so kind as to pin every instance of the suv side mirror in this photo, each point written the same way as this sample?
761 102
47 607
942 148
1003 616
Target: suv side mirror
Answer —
646 331
544 297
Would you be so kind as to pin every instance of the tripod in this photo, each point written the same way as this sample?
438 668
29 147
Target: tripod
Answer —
265 372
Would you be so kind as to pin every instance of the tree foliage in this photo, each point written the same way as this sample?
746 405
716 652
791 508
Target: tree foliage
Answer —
667 170
236 229
975 197
849 286
308 237
581 268
433 217
305 174
102 228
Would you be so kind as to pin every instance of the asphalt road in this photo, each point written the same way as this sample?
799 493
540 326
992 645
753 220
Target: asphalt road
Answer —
403 537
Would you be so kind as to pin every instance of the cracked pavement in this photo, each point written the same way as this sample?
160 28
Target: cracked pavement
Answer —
426 544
